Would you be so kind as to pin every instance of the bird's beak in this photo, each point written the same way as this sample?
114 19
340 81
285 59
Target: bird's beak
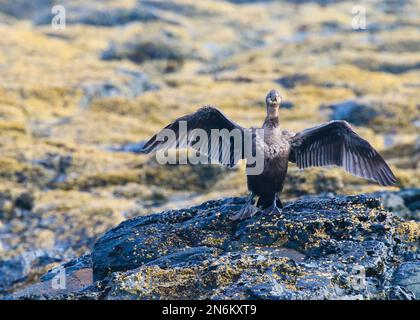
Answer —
275 102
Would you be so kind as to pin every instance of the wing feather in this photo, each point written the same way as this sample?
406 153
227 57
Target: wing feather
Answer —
206 118
335 143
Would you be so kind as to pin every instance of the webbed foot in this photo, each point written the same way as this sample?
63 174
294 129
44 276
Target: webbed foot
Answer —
272 210
247 211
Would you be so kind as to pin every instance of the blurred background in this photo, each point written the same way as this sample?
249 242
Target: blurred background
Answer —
80 92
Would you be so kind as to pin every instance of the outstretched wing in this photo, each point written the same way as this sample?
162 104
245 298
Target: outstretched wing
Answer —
335 143
224 151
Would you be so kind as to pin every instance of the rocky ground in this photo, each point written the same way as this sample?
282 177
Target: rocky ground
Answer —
77 103
318 248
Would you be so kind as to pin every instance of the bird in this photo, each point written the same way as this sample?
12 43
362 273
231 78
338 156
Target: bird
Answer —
334 143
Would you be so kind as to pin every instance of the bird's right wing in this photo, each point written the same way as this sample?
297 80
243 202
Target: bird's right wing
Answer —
188 132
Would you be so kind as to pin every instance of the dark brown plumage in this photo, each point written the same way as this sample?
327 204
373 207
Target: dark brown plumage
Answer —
206 118
335 143
331 144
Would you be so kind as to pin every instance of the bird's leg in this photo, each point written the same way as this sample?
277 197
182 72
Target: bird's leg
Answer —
274 209
279 203
247 211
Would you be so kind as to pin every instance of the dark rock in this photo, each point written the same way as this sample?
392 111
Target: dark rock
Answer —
313 282
160 256
398 293
132 84
15 205
411 198
129 147
355 112
16 269
162 46
393 202
84 262
407 276
61 282
23 9
12 271
289 82
25 201
286 105
404 203
319 248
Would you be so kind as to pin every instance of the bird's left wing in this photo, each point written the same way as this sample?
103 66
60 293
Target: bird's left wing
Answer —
335 143
223 150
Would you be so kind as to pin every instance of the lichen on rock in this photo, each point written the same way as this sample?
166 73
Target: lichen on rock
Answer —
318 248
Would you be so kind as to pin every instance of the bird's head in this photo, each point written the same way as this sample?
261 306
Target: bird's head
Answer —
273 99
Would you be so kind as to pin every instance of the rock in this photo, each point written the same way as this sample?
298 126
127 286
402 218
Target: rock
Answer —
12 271
127 83
161 46
84 262
355 112
408 277
404 203
25 201
53 167
22 9
134 147
394 202
289 82
286 105
319 248
15 205
73 276
17 269
411 198
398 293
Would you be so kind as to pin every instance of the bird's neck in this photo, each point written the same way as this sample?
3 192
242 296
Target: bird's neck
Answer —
272 119
271 122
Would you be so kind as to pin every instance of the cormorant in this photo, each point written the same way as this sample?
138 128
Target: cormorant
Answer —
330 144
